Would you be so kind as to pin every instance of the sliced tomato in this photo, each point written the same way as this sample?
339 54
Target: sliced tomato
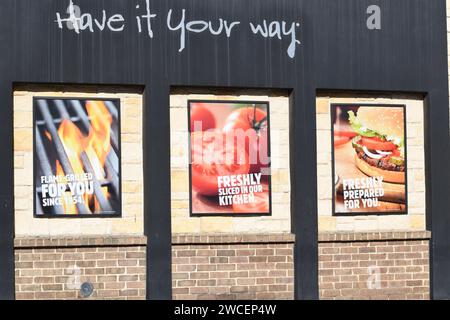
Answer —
340 140
212 156
345 133
376 143
261 204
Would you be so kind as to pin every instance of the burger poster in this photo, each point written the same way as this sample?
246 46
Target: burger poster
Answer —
229 158
369 159
76 157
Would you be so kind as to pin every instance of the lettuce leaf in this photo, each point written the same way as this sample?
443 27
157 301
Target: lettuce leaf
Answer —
360 129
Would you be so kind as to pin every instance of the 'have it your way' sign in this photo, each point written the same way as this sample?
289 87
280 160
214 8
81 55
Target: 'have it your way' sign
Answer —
77 21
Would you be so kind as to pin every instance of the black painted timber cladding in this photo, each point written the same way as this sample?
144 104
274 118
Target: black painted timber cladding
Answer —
408 54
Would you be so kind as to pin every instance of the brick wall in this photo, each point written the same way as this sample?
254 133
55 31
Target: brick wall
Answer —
233 267
54 268
378 265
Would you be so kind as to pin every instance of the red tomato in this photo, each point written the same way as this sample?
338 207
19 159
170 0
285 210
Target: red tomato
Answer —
340 140
213 156
261 204
345 133
244 118
377 144
251 123
201 118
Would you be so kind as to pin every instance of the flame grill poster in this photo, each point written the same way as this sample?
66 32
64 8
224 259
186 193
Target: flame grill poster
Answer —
369 159
229 158
76 157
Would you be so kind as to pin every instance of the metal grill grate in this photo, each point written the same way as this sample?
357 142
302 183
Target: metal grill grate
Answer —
51 114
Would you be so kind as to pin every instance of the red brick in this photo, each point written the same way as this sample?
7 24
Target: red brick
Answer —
238 289
179 275
422 276
24 295
226 267
367 250
185 267
129 293
185 283
43 280
277 287
226 253
258 288
329 251
198 260
218 260
240 259
265 281
114 285
115 270
274 273
185 253
246 281
52 287
239 274
220 290
226 282
206 267
206 283
199 275
245 252
266 295
45 295
219 274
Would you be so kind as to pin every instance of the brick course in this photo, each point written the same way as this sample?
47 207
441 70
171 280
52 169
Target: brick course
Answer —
375 265
233 267
54 268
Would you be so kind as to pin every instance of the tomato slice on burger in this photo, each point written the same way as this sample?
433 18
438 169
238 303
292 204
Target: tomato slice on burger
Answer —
261 204
213 156
339 140
376 143
345 133
396 153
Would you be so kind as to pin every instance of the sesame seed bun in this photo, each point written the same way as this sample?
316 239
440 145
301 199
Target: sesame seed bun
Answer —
383 120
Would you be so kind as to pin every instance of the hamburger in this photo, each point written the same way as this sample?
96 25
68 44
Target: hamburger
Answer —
379 143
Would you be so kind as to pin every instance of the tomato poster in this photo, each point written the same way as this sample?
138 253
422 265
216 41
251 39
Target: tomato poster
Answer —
76 157
369 159
229 158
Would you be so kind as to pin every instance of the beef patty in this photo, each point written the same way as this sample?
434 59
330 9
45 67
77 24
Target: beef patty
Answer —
382 163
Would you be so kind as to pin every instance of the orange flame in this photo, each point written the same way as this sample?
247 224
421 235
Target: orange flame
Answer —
69 207
48 135
96 146
73 141
99 137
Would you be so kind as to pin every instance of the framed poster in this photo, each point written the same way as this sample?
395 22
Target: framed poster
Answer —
76 157
229 170
369 159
